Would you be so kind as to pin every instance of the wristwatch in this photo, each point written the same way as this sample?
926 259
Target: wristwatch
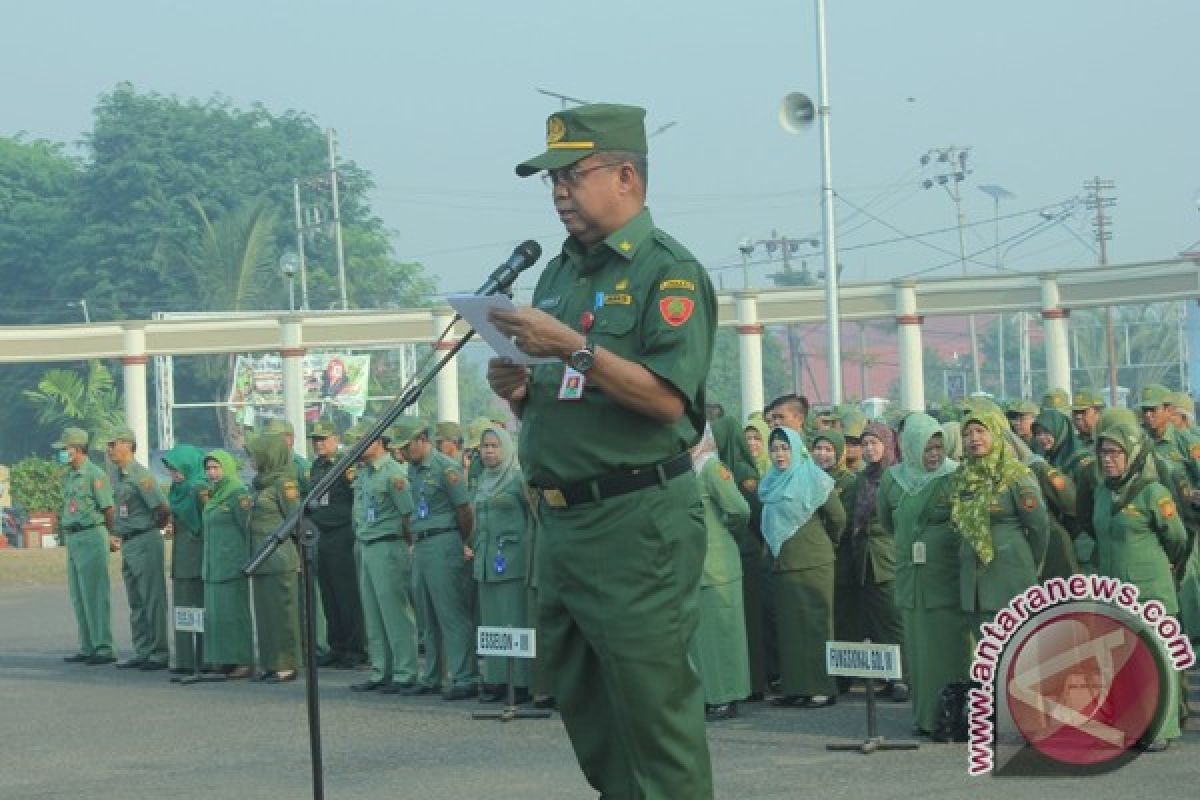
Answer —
585 359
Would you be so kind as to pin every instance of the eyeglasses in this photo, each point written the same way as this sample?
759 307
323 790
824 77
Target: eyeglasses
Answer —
1108 454
571 176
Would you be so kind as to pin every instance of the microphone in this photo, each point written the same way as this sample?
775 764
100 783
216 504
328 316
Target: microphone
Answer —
522 258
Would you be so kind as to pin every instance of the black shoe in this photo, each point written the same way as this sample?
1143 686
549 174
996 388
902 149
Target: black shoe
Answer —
460 693
133 663
397 688
369 685
100 658
900 692
151 666
546 703
282 677
790 701
494 694
78 658
327 660
720 712
418 690
755 697
180 671
522 697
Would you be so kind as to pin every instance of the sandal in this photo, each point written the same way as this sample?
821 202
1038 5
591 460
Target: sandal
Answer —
819 701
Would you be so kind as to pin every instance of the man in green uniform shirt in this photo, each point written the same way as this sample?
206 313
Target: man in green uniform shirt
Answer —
439 527
630 315
142 512
1021 414
385 568
87 517
1172 444
1086 406
1057 399
337 572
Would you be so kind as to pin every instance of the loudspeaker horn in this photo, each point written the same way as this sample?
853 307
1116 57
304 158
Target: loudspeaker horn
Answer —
796 112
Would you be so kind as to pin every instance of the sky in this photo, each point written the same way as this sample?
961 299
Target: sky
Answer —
438 102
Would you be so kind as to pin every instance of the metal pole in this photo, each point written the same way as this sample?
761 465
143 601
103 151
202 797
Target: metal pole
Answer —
291 292
833 318
300 246
962 258
337 223
83 306
1000 328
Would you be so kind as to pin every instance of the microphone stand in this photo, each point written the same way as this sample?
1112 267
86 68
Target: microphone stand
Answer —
306 535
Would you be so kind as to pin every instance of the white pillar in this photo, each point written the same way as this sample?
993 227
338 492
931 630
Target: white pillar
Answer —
750 368
133 368
292 352
1054 323
908 335
447 379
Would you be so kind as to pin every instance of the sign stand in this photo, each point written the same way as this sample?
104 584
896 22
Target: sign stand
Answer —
510 643
868 661
191 620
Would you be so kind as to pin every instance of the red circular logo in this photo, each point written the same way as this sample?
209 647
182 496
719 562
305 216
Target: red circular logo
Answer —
1083 688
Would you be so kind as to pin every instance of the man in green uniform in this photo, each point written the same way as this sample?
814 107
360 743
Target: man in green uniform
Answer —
1021 414
86 519
337 572
1057 399
630 315
142 512
1172 444
385 568
448 439
789 411
1183 412
439 527
1086 406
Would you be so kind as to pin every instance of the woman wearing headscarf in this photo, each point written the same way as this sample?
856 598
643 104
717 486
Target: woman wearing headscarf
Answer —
756 432
870 571
228 634
276 590
1139 533
802 520
999 512
500 543
829 453
913 505
1056 441
716 648
185 465
1058 490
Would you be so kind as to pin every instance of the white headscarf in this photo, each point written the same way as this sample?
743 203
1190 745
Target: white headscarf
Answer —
704 450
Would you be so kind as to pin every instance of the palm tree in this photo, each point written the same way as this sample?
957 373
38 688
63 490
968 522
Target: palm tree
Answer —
89 401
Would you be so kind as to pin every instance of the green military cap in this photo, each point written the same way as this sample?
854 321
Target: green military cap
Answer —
1085 399
573 134
121 433
1057 399
475 431
71 436
406 429
448 430
359 430
1115 417
1016 407
854 422
322 429
826 413
279 425
1182 401
1154 394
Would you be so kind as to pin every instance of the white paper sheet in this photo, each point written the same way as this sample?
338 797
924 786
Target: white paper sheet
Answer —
474 309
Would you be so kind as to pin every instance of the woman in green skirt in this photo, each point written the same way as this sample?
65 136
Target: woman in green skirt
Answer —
913 506
802 522
185 464
228 636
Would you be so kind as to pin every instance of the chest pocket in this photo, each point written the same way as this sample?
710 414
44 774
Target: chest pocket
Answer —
616 320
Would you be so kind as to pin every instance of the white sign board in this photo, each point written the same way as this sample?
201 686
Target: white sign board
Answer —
863 660
510 642
189 620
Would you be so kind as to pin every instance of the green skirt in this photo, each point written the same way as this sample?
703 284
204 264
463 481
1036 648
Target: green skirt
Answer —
228 638
504 605
937 646
804 622
719 647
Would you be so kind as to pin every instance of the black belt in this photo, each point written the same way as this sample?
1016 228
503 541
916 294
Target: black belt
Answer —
76 527
421 536
132 534
615 483
389 537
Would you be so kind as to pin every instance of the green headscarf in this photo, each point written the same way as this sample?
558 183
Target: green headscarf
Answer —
1065 450
763 460
229 483
838 440
952 438
1139 466
979 481
910 474
791 496
493 479
185 505
734 450
272 459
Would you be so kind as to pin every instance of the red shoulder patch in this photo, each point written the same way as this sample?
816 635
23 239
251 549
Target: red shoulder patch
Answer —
1167 506
1195 450
725 474
1058 482
1029 502
676 310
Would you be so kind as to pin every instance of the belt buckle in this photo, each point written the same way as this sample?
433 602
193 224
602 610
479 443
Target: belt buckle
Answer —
554 498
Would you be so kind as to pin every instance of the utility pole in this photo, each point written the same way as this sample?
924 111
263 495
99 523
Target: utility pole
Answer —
787 247
1102 223
337 221
300 246
997 193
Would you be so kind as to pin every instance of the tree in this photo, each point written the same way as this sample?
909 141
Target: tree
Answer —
65 398
724 376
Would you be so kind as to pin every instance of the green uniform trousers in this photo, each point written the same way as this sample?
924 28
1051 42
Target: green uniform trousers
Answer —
228 635
543 681
87 582
1189 595
188 593
938 647
755 577
276 597
619 586
385 575
504 604
717 646
804 616
442 589
142 569
337 572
